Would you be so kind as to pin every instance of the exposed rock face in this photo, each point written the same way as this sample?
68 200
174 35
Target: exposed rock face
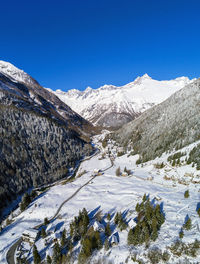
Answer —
40 136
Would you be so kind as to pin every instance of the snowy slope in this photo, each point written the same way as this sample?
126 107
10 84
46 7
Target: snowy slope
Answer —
112 106
16 74
112 194
17 82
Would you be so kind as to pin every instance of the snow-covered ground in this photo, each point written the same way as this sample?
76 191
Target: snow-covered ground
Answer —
110 193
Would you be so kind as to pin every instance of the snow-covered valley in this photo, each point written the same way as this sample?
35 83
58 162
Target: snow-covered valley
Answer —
108 193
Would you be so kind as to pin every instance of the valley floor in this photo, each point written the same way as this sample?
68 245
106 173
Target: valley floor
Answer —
110 194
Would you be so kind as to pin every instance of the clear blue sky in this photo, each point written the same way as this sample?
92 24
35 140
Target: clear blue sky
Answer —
79 43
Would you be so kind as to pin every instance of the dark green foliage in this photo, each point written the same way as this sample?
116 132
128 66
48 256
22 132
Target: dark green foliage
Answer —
108 230
176 156
186 194
36 149
106 245
155 256
108 216
150 218
43 233
194 156
181 234
79 226
26 200
188 224
63 238
198 211
36 256
159 165
46 221
119 221
174 163
179 248
139 161
104 143
116 219
165 256
89 244
49 260
57 256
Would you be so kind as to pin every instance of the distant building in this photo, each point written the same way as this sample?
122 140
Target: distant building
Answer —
30 235
150 178
114 240
132 223
97 172
98 227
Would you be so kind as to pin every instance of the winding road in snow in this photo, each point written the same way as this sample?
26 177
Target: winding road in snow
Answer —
11 252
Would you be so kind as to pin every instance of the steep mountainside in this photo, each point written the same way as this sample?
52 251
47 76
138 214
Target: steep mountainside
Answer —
17 82
172 124
112 106
38 135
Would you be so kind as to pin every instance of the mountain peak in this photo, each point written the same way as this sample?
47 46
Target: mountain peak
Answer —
145 76
15 73
140 79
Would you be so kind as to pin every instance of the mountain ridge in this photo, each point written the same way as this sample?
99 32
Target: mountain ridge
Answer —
169 125
111 106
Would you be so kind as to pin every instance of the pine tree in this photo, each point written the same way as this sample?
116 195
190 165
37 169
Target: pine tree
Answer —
43 233
130 238
108 230
116 220
108 216
137 207
49 261
186 194
46 221
181 233
106 245
63 238
36 255
154 234
188 224
144 197
56 252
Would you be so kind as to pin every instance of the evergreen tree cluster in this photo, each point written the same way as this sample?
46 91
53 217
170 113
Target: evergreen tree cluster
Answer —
36 255
79 226
149 220
27 199
89 243
194 157
188 224
119 221
176 156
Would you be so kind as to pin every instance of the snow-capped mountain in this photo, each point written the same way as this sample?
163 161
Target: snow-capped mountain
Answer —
112 106
38 135
170 125
21 84
16 74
